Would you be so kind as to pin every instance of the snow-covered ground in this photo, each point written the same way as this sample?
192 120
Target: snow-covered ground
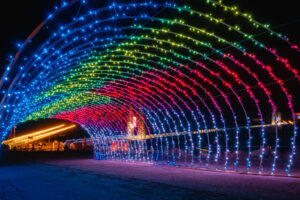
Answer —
94 179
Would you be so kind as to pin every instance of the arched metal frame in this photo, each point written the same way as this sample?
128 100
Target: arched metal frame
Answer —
192 78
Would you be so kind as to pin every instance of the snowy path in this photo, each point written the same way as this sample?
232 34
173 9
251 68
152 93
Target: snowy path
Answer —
40 181
92 179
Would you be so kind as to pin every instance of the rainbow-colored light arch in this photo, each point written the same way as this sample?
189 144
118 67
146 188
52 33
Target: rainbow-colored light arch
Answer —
160 82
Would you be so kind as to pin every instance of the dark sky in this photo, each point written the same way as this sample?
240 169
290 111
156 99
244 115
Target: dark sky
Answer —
18 18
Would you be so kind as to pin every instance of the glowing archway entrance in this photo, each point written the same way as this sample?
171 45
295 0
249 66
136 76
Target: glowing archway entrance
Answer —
161 82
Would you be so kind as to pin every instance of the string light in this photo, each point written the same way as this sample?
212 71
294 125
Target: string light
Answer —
156 88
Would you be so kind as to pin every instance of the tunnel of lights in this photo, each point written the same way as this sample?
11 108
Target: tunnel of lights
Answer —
160 82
